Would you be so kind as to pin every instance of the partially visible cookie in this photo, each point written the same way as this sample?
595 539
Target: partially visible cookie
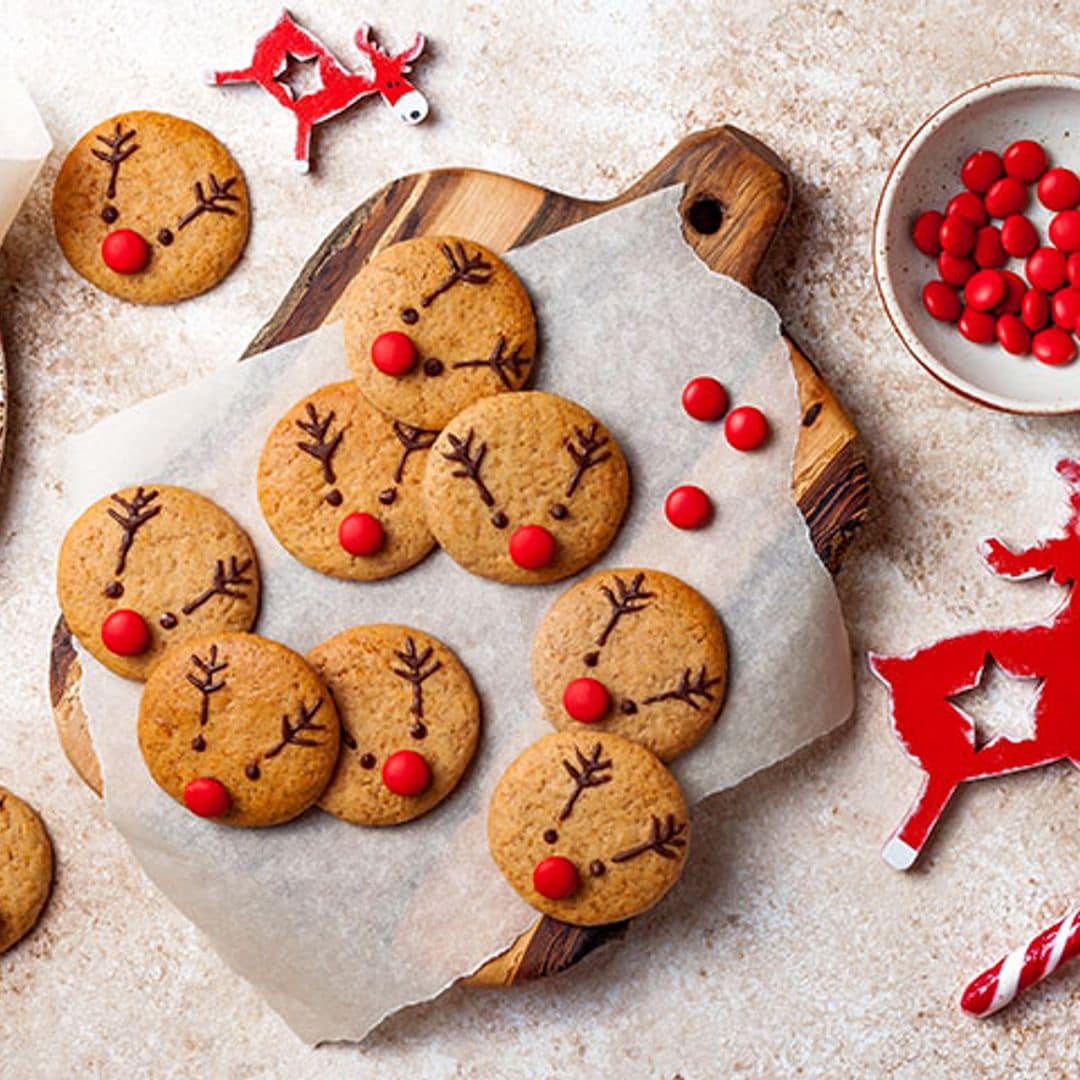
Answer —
339 486
151 208
525 488
633 651
26 868
410 720
239 729
433 324
73 731
148 567
589 827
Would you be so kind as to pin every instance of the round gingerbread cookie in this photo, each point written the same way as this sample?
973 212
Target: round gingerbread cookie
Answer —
26 860
239 729
433 324
151 208
589 827
147 567
525 488
633 651
410 720
339 486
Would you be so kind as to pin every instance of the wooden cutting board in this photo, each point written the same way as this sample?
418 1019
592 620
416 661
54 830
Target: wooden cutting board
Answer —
735 197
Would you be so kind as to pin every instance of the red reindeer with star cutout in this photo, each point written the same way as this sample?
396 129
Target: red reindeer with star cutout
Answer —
939 737
288 43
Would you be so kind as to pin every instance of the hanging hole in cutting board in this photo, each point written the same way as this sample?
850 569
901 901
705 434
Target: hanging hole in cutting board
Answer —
705 215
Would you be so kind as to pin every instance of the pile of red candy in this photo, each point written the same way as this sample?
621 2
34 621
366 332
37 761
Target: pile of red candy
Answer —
974 290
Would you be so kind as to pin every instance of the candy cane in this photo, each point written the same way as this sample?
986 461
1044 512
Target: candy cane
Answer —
1031 963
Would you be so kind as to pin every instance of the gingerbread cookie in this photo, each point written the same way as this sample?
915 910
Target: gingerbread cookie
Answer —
637 652
26 868
147 567
339 486
410 720
239 729
525 488
589 827
151 208
433 324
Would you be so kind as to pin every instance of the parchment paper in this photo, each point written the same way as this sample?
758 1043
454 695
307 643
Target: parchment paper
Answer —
340 926
24 145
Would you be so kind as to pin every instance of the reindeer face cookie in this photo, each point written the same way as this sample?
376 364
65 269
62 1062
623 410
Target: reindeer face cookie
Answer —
433 324
637 652
27 861
525 488
148 567
589 827
151 208
339 485
239 729
410 720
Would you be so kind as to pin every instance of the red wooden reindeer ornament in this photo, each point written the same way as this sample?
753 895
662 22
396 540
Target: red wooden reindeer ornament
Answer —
939 737
287 49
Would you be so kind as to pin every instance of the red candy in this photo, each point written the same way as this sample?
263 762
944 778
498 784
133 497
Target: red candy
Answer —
1065 308
977 326
967 205
1054 346
393 353
746 428
1065 230
586 700
957 235
985 290
207 797
1046 268
989 252
532 547
1059 189
980 170
688 507
555 878
1035 309
1006 196
125 251
1072 269
941 301
955 269
1015 288
406 773
1013 335
706 399
1019 237
125 633
925 235
1025 160
361 534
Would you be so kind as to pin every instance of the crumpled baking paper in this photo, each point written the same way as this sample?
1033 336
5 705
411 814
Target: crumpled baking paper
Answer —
24 145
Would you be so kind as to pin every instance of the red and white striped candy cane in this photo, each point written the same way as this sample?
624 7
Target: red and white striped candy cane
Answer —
1031 963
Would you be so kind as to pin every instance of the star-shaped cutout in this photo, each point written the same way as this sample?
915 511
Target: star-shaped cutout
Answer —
300 76
1001 705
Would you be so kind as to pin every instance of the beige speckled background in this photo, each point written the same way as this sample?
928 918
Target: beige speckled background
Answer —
791 948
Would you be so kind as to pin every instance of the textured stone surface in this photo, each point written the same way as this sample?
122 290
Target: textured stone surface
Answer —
789 947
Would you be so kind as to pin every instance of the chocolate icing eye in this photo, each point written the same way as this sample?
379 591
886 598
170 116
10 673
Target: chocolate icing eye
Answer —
109 214
551 836
410 316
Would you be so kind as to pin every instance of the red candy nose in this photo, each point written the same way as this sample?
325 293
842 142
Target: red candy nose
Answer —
532 547
125 633
393 353
125 251
746 428
555 877
688 507
361 534
586 700
405 772
207 797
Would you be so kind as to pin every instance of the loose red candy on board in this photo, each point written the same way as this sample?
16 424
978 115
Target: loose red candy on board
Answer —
967 205
706 399
1054 346
207 797
1013 335
393 353
1015 289
361 534
125 251
688 507
957 235
1046 269
977 326
746 428
925 232
532 547
1065 308
1019 237
586 700
1006 196
941 301
1059 189
406 773
989 252
955 269
984 290
1065 230
980 171
1025 159
1035 309
125 633
555 878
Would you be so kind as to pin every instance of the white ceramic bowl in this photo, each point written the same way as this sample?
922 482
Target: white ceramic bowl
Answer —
1044 106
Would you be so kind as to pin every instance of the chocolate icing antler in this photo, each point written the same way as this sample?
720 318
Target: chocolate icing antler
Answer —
136 515
411 439
118 153
224 583
626 603
414 663
219 193
321 450
585 454
688 688
590 774
292 734
210 668
462 453
498 361
471 269
662 838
